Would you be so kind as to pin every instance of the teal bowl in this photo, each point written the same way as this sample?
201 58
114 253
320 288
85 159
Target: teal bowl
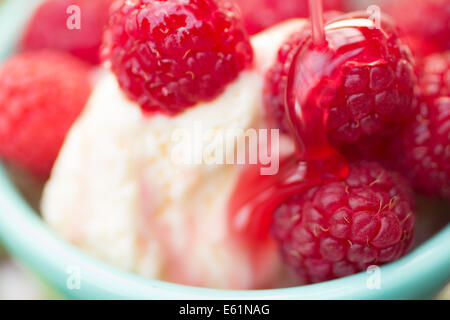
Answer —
420 274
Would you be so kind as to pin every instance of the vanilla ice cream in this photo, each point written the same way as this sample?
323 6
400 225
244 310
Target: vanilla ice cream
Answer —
117 192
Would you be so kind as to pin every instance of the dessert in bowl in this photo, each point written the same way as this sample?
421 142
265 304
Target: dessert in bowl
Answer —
116 192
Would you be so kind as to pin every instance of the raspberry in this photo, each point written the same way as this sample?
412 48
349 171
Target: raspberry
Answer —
425 23
341 228
423 149
41 95
170 54
373 91
48 28
261 14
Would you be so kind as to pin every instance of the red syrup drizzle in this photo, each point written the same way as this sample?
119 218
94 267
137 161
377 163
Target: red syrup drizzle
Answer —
256 197
315 79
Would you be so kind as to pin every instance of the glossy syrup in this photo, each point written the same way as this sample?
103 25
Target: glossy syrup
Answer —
314 81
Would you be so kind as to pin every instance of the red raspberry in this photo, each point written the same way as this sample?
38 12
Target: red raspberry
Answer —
341 228
374 90
423 149
41 95
425 23
261 14
48 28
170 54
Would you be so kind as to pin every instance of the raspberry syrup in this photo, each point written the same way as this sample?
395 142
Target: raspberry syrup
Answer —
315 162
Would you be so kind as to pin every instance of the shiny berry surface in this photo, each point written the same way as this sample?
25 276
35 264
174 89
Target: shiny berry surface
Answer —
342 227
275 83
169 55
359 84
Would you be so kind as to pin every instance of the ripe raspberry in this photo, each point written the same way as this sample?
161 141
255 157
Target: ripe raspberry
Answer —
425 23
170 54
341 228
261 14
374 89
41 95
423 149
48 28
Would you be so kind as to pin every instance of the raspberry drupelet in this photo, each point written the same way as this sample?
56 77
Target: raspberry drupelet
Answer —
169 55
368 92
341 228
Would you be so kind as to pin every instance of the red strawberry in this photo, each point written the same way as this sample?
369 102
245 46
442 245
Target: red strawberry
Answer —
41 95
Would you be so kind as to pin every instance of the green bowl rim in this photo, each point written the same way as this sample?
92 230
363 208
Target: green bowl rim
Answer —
419 274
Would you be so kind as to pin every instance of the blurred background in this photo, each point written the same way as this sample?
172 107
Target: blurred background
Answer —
16 282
